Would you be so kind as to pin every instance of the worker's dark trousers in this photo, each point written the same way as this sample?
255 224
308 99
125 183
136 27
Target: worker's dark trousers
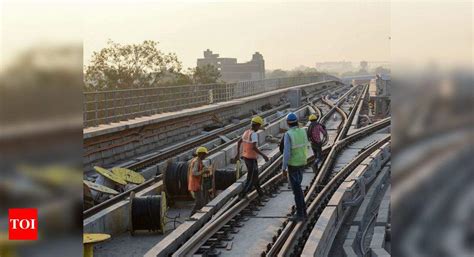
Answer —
295 173
201 198
252 177
318 153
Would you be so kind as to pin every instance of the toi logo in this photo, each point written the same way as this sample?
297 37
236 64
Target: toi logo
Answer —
23 224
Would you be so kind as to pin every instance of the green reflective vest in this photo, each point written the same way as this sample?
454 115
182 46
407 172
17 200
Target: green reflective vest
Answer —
299 147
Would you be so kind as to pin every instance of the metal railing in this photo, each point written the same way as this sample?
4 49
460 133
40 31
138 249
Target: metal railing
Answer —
103 107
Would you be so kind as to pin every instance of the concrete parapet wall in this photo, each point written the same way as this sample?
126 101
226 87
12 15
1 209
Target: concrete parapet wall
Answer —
114 143
378 242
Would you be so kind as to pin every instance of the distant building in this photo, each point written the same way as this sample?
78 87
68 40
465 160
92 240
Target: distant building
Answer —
334 67
231 71
360 81
379 92
357 79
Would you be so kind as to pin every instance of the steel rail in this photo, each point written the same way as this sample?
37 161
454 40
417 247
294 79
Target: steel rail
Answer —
199 238
317 109
338 102
282 237
262 176
210 228
353 113
342 131
329 158
302 230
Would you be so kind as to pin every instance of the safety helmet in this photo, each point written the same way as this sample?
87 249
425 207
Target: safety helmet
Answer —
257 120
312 117
291 117
201 149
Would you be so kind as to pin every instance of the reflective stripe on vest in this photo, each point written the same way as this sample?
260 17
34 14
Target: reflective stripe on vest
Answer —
298 146
194 182
299 150
247 145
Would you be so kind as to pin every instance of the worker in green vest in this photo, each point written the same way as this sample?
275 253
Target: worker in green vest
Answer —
295 154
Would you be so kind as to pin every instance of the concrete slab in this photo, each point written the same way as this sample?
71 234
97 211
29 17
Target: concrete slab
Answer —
320 239
378 239
379 253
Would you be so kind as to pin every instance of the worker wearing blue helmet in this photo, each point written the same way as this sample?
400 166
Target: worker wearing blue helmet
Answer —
295 153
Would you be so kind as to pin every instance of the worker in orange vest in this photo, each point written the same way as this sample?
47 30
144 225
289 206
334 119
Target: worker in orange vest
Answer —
196 171
250 153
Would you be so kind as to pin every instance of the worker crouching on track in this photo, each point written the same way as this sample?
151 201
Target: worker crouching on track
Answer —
295 154
315 130
196 172
250 152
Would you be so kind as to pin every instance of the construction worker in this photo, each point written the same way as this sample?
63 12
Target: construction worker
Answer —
250 153
295 153
196 171
315 130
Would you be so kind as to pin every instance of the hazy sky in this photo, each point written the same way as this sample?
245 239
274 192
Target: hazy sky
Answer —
287 34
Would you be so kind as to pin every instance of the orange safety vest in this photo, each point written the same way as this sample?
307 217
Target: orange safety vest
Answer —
247 144
194 182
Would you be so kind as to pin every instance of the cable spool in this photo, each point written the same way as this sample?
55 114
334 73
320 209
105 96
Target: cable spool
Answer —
108 179
175 180
224 178
148 213
88 201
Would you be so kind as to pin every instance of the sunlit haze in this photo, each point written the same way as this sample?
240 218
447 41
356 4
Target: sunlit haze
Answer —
287 34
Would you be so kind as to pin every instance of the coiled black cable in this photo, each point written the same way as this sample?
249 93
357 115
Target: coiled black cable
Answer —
176 180
146 213
224 178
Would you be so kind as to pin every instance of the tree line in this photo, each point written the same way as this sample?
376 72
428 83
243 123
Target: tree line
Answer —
124 66
143 65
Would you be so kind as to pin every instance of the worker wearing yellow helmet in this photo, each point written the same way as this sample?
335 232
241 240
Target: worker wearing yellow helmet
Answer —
257 120
313 117
314 132
250 154
196 173
201 150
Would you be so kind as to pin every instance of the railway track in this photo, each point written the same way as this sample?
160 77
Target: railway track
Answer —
172 242
170 152
291 240
229 221
229 218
